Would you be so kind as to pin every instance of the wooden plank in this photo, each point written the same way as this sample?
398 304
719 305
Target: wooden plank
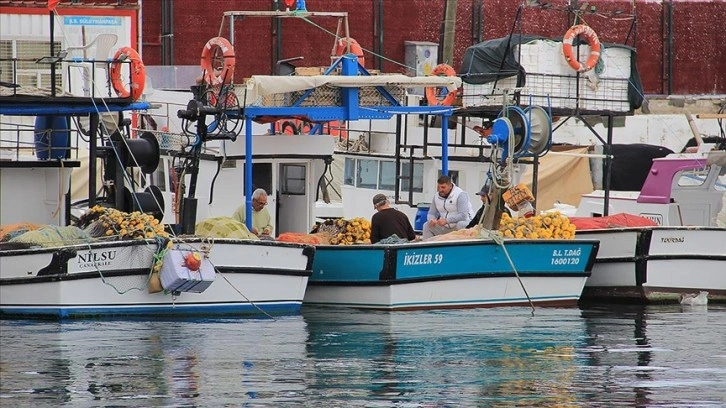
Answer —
711 116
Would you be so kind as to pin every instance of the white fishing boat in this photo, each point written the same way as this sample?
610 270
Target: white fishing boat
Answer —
684 251
64 271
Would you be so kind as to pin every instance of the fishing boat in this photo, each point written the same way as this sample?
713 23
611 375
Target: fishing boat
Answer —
683 250
139 267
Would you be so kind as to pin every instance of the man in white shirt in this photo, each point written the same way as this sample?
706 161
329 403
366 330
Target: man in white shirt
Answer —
450 209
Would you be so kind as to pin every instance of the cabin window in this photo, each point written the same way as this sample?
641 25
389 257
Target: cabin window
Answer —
349 172
28 72
367 174
454 174
387 178
261 177
293 179
158 177
693 178
417 177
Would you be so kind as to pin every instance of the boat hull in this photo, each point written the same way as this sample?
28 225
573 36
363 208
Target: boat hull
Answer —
111 279
453 274
657 264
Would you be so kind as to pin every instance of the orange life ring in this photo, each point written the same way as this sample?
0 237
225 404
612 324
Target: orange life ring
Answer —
138 73
218 75
355 48
432 92
569 52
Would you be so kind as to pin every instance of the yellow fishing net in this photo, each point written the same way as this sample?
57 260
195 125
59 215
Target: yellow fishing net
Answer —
223 227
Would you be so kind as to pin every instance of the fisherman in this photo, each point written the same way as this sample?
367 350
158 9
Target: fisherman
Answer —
261 219
388 221
450 209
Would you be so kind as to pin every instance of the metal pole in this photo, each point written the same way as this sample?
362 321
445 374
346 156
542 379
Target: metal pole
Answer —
52 54
445 144
248 172
608 165
92 154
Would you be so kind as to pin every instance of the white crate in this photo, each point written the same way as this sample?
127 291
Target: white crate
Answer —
550 81
176 277
486 95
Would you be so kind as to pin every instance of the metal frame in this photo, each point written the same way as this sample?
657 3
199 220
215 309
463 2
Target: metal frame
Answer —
350 109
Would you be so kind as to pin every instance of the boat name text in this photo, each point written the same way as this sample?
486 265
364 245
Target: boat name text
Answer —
422 259
672 240
96 259
566 256
656 218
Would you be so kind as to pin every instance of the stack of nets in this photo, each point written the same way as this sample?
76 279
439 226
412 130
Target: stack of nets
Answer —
51 236
345 232
223 227
101 222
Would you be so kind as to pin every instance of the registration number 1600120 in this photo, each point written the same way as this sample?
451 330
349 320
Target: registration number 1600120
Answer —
566 256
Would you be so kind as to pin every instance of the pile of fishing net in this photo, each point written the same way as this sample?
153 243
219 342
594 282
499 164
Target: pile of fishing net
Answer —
101 222
458 235
553 225
10 231
345 232
50 236
223 227
300 238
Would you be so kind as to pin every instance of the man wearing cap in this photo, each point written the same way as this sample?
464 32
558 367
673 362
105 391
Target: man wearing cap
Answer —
450 209
388 221
484 195
485 200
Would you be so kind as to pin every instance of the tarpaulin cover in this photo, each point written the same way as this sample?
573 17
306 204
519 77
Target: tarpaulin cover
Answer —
621 220
631 164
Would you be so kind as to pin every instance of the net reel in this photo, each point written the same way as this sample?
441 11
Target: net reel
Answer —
522 132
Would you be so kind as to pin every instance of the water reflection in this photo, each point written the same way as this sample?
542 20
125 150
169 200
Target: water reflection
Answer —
435 357
597 356
645 355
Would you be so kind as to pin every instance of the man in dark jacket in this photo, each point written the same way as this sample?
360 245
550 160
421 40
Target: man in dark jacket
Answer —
388 221
484 195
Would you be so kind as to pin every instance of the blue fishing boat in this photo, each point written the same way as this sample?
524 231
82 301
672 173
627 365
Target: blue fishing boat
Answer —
453 274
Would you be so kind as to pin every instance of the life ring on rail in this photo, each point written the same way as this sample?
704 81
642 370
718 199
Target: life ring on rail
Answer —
138 73
432 92
569 52
342 45
215 75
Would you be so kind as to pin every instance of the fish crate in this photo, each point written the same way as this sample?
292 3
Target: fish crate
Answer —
370 96
325 95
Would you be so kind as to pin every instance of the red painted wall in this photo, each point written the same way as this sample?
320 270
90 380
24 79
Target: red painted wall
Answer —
699 59
699 55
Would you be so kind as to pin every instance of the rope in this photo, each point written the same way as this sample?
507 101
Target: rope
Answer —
500 241
243 295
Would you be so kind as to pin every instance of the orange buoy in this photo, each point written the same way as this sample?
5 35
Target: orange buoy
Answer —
569 51
193 261
138 73
341 48
433 92
214 74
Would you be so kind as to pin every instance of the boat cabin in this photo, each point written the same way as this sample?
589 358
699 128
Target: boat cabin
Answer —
680 189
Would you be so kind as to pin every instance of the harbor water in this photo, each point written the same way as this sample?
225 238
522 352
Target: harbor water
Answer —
593 356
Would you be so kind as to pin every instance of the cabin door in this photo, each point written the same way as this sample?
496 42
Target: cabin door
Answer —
293 197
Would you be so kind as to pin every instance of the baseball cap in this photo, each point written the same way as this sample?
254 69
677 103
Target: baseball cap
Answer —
484 190
379 199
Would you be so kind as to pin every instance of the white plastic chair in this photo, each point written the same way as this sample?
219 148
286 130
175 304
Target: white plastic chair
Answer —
97 50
